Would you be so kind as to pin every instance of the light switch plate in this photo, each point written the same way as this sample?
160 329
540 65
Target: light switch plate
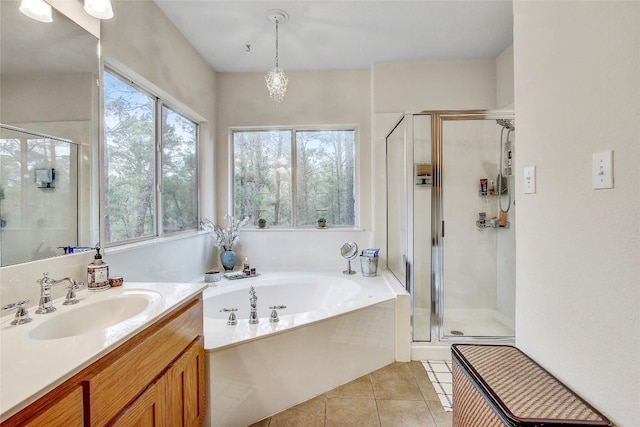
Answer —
602 172
530 180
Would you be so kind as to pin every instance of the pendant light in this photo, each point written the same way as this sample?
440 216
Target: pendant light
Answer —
276 78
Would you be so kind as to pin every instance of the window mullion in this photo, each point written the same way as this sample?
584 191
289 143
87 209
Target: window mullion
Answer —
294 179
157 217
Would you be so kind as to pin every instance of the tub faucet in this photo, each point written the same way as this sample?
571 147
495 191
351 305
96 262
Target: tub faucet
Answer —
253 316
46 305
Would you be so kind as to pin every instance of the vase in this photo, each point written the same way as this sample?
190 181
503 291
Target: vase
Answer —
228 260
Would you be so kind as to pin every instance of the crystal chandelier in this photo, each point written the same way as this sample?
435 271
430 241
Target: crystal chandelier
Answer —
275 78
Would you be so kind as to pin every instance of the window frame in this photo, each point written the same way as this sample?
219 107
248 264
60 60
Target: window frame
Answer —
294 129
159 103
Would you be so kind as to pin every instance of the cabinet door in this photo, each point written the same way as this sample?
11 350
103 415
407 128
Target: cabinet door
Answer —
147 410
66 412
185 388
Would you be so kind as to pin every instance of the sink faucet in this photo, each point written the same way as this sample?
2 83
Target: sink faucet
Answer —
253 316
46 305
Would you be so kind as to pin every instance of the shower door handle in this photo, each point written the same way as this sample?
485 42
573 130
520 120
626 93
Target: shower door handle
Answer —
443 229
407 275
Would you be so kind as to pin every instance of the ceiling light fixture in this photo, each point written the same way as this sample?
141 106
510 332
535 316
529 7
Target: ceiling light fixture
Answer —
275 78
36 9
100 9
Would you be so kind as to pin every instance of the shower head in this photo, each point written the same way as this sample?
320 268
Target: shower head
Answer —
507 124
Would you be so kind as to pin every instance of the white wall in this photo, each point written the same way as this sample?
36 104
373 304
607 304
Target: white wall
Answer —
577 92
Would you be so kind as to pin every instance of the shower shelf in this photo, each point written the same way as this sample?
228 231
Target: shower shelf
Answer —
504 193
487 224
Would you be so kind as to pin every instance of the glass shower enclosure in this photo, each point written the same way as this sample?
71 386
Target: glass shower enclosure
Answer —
450 222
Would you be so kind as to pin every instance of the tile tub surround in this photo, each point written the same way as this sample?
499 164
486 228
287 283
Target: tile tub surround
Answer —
31 367
399 394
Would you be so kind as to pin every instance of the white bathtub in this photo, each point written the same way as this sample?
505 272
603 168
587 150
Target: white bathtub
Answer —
335 329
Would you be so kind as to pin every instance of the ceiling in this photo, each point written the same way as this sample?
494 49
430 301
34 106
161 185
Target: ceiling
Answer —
341 34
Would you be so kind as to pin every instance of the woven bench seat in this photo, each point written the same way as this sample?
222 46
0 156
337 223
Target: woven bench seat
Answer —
499 385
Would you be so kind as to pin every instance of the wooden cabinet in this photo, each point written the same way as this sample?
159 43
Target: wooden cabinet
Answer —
148 410
65 411
156 378
185 383
175 399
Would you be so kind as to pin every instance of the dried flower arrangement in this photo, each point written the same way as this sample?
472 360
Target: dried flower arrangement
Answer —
224 237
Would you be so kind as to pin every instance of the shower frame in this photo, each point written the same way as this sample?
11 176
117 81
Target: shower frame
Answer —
438 117
437 215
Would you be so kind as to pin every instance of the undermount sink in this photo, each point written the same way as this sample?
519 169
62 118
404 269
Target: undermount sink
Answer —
104 312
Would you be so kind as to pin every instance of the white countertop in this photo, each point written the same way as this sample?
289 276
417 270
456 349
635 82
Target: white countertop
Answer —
29 368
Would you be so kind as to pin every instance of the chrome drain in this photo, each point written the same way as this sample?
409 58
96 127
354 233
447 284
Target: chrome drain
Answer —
456 332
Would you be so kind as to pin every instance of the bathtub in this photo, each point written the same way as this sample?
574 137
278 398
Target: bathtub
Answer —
334 329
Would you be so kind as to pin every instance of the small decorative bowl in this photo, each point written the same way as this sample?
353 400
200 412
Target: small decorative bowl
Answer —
116 281
212 276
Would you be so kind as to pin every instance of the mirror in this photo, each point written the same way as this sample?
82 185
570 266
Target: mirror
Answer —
49 104
349 251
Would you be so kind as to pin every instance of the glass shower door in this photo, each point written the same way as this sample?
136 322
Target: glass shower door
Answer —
397 203
409 215
421 184
477 293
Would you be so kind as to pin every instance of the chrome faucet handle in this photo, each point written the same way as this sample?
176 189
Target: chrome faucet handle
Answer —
45 280
232 315
22 315
274 314
71 297
45 305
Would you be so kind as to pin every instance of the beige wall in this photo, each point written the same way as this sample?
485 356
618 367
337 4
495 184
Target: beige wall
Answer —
504 79
49 98
577 92
434 85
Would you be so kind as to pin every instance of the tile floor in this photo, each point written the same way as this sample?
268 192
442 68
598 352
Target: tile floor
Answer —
399 394
440 374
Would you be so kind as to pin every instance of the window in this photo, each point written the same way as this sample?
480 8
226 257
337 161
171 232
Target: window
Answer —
293 177
147 143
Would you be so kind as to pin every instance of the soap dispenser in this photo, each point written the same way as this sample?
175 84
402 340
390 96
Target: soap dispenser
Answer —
246 268
98 273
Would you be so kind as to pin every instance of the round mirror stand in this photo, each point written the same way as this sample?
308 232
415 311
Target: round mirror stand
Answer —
349 251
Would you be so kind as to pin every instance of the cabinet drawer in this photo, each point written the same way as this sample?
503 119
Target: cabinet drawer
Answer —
132 367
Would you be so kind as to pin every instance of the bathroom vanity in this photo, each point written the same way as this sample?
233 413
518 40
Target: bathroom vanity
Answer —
69 368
